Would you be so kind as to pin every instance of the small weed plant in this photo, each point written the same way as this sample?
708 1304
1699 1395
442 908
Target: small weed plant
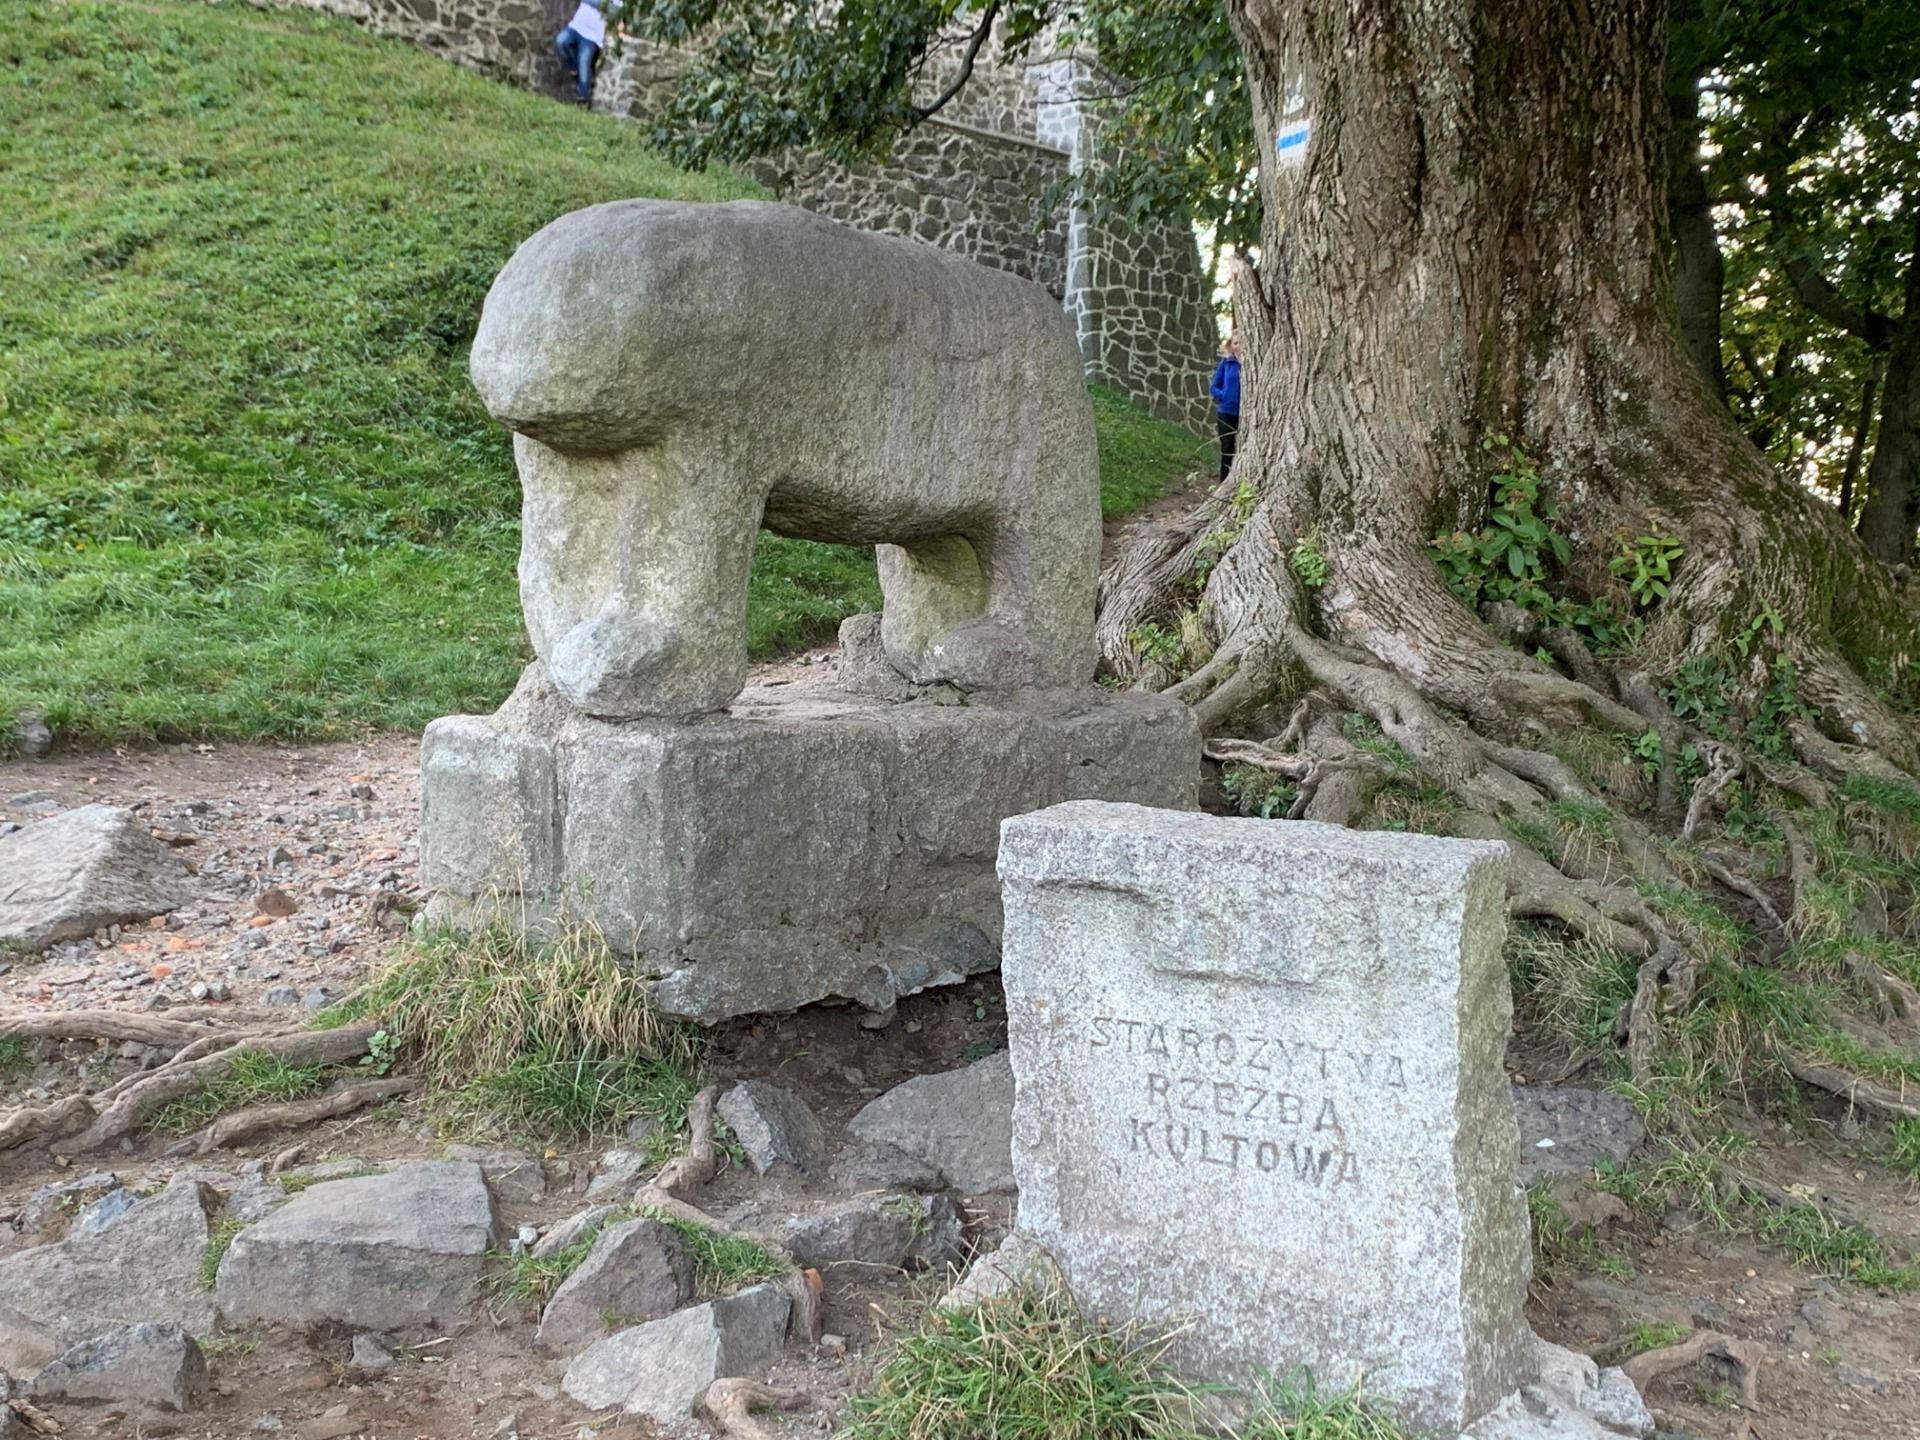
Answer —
1646 563
16 1057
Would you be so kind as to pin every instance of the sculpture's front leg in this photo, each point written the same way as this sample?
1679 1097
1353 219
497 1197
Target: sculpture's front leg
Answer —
633 576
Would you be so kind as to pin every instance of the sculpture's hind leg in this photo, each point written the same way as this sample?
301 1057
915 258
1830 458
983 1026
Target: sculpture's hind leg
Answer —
982 615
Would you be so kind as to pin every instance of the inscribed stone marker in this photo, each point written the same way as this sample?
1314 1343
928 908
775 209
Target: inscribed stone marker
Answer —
1259 1091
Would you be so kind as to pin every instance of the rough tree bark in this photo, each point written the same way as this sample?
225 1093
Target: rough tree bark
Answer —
1469 242
1891 516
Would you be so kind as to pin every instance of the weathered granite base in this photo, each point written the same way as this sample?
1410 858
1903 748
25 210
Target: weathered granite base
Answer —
806 844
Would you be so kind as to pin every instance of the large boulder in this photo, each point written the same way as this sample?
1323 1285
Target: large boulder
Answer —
143 1267
958 1122
76 873
152 1365
662 1368
378 1252
638 1270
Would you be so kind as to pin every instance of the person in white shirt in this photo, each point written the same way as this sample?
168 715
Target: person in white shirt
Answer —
580 45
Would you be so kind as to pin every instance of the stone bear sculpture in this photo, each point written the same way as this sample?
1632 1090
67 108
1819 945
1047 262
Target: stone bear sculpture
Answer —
679 375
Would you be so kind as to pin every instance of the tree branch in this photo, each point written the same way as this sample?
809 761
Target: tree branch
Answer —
972 53
1819 295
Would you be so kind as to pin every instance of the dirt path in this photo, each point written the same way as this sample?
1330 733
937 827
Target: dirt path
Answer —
333 827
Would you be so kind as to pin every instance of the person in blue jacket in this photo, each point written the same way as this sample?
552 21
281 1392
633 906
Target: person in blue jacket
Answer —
1226 400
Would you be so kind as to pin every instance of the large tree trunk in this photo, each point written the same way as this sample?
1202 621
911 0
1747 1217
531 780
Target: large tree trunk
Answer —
1699 270
1891 516
1469 243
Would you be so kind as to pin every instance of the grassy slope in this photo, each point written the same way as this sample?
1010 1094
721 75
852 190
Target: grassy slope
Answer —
245 487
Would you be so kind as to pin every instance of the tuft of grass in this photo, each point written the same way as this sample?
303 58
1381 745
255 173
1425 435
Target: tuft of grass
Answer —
534 1278
219 1239
16 1057
1142 457
1573 989
1903 1147
1645 1335
1030 1367
721 1263
1561 1248
254 1078
557 1037
1810 1235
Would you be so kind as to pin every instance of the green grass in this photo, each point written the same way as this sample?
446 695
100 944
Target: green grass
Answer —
1645 1335
1142 458
245 486
1030 1367
1700 1176
254 1078
16 1057
532 1278
1562 1248
1903 1147
219 1239
722 1263
555 1039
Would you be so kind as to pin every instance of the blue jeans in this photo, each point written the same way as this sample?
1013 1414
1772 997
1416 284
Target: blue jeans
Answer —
577 53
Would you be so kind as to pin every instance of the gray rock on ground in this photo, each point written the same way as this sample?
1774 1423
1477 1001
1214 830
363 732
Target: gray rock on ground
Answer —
898 1231
66 877
958 1122
369 1357
774 1126
662 1368
31 734
61 1198
572 1230
618 1173
637 1270
380 1252
100 1214
1016 1264
1571 1399
144 1267
514 1176
152 1365
1580 1128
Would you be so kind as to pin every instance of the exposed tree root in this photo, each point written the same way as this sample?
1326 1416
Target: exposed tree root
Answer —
34 1418
1854 1089
243 1123
730 1401
1742 1356
701 1163
169 1034
1892 998
124 1106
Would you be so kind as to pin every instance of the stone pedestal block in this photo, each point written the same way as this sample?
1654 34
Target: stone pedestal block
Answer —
805 844
1259 1094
